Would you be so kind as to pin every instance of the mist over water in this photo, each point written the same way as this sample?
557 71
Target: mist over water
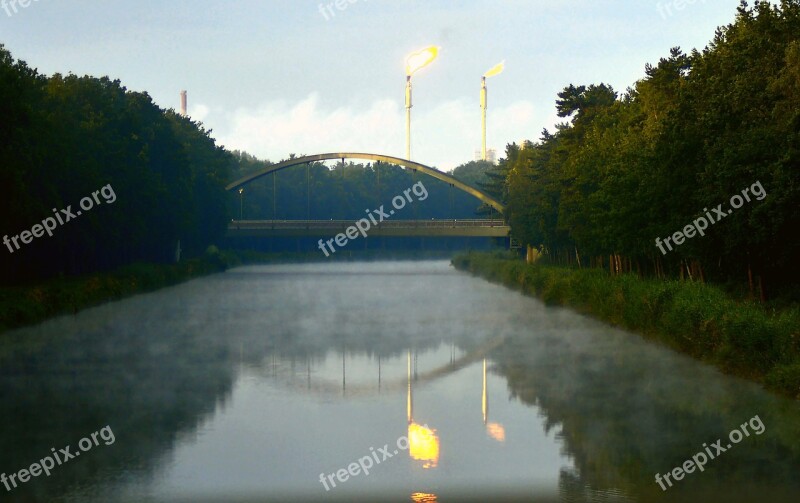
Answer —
250 385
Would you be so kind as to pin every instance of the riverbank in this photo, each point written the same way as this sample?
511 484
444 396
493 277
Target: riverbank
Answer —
26 305
740 338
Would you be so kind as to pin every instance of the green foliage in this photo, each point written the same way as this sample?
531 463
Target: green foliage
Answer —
701 320
65 137
26 305
785 377
320 192
697 129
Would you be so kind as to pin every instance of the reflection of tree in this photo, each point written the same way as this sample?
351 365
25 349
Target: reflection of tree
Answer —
572 487
627 413
151 381
149 387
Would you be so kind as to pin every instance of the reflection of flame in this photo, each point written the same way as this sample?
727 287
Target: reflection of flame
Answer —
423 445
496 431
424 498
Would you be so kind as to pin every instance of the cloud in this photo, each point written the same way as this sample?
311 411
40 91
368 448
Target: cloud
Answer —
275 129
199 112
444 136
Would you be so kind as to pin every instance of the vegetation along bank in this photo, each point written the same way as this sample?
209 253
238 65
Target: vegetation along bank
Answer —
701 320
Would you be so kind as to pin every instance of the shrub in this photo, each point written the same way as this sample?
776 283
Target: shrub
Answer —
695 318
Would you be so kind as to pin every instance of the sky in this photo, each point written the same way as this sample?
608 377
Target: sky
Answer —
281 77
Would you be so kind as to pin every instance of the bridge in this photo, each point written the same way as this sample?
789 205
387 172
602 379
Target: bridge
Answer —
392 228
495 228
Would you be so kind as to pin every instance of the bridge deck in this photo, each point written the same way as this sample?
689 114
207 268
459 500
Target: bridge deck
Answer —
393 228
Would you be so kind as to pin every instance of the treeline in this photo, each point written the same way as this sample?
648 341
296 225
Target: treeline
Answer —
62 138
155 181
343 191
695 131
66 137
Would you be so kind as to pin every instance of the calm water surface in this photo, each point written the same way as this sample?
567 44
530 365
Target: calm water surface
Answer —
268 383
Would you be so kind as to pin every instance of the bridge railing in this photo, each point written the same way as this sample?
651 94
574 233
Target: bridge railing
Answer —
339 224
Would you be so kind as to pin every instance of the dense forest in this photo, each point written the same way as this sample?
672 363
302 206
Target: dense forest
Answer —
66 137
644 164
162 177
612 184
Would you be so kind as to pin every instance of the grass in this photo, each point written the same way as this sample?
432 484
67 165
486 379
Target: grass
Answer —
701 320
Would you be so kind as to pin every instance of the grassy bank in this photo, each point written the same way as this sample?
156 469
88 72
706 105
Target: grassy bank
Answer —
740 338
25 305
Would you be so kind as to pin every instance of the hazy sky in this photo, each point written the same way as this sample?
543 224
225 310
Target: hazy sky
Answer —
275 77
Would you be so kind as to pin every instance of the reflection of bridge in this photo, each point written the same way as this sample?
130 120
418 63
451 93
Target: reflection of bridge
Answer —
422 441
414 228
296 382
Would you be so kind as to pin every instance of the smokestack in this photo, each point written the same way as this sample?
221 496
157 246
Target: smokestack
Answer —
184 111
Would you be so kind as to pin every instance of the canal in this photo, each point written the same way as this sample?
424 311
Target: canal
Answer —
381 381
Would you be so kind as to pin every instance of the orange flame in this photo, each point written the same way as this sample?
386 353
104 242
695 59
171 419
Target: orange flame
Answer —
424 498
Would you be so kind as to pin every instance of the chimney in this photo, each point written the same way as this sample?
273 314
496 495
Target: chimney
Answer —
184 111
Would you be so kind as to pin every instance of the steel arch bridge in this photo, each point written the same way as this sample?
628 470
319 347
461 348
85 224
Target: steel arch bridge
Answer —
433 172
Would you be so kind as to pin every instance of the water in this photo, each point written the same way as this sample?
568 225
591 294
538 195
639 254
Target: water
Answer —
269 383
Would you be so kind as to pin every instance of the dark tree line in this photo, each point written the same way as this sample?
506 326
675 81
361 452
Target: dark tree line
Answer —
697 129
64 137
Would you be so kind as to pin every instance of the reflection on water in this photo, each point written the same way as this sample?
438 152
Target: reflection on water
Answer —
247 386
495 430
424 498
423 444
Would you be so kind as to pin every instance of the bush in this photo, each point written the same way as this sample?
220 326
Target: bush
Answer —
24 306
785 378
695 318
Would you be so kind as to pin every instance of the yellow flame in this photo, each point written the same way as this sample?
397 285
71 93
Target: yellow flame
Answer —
421 59
496 431
423 445
496 70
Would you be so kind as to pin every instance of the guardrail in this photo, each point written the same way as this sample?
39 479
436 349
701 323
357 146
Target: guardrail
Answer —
387 228
338 224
